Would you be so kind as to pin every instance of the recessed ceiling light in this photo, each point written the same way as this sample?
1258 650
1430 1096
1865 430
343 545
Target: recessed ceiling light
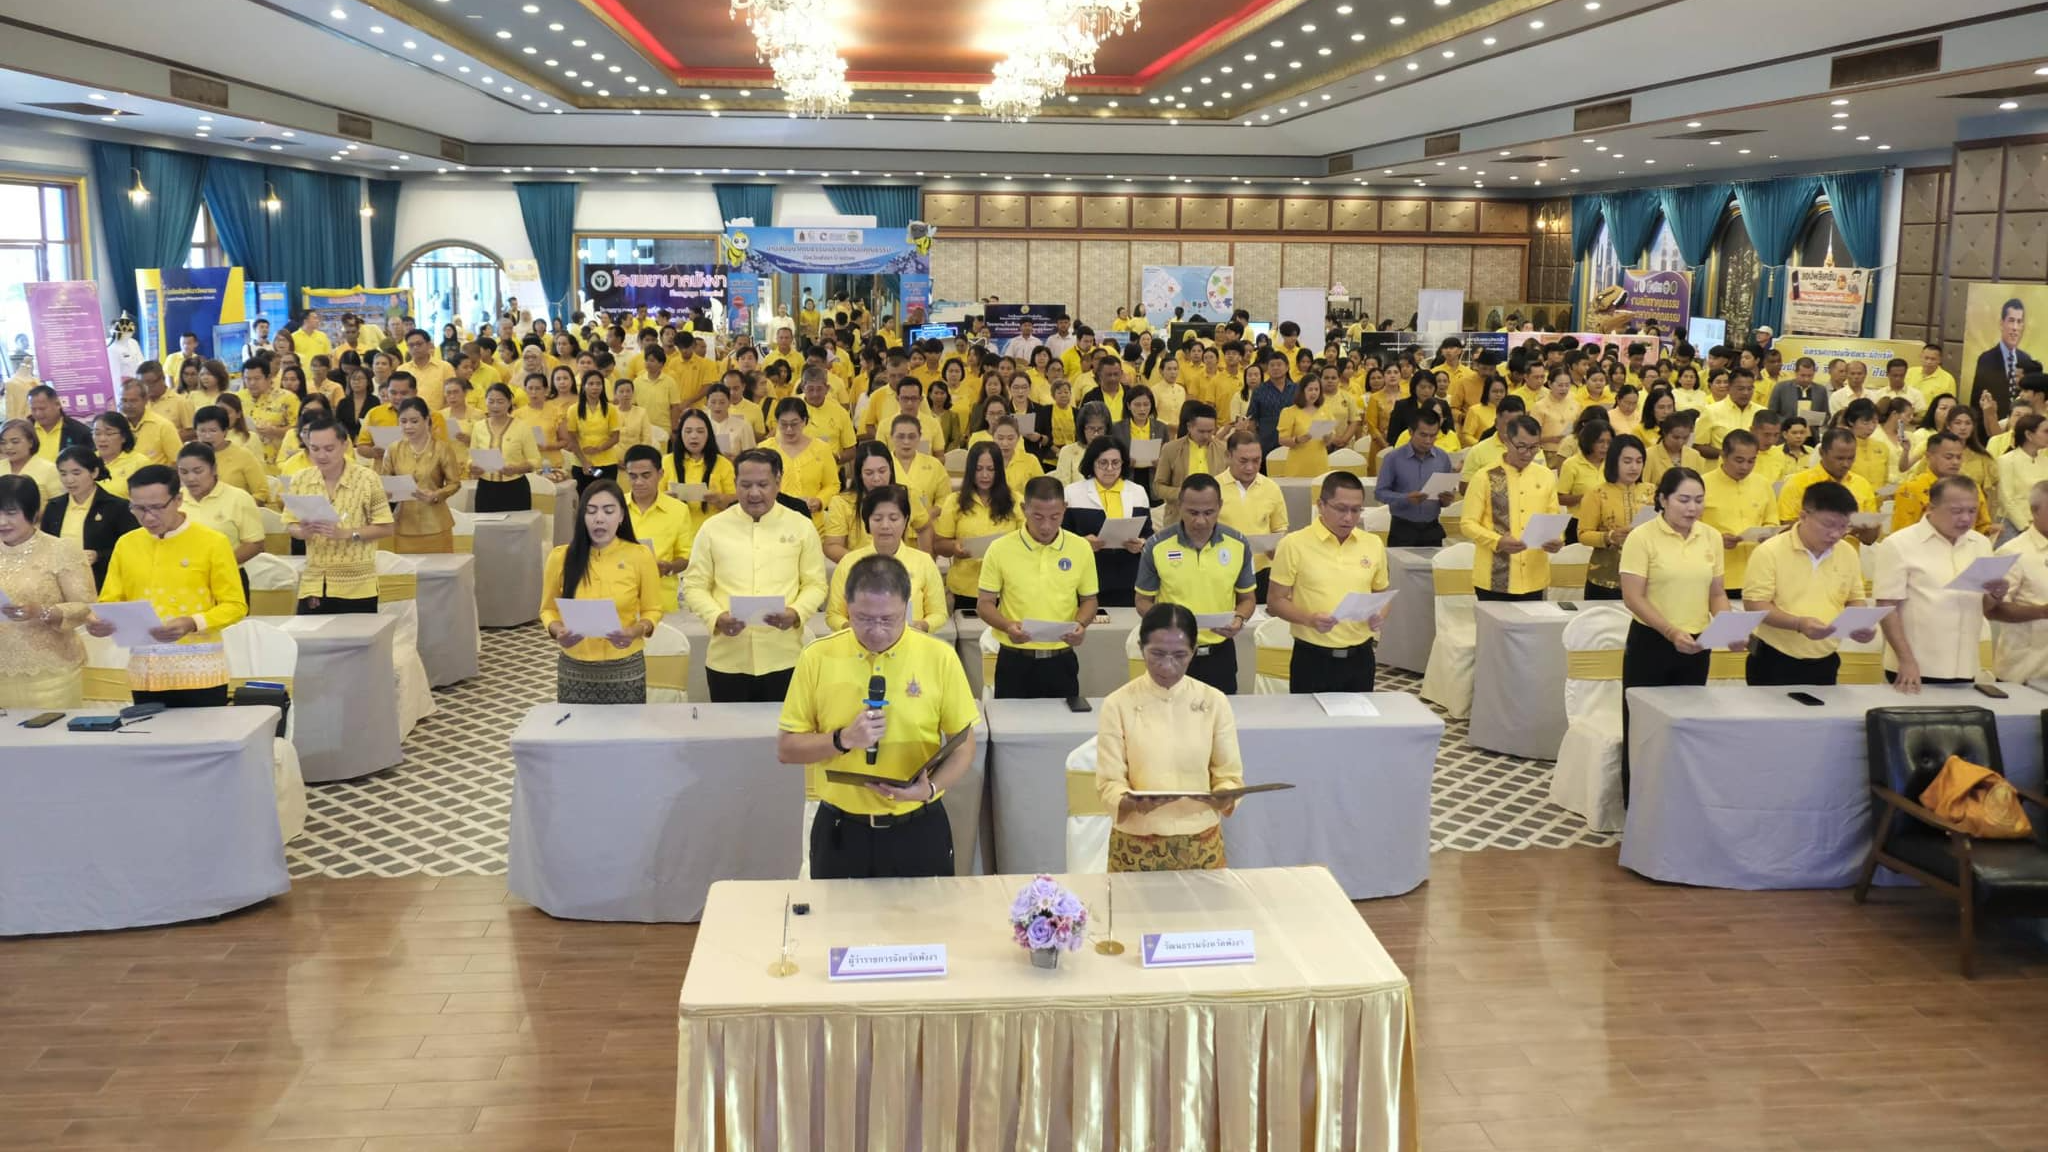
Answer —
750 92
440 59
1226 70
1294 63
288 135
597 56
1714 143
1276 43
504 35
1343 9
1647 160
1601 148
1322 51
338 14
613 68
1269 76
1113 104
1397 21
1247 84
1412 65
410 45
1263 116
554 27
2008 105
1839 102
579 43
948 118
206 119
530 9
1841 127
1308 27
1692 123
1884 147
1357 36
1575 171
1326 95
1859 140
1841 116
1536 25
1738 152
1187 87
376 29
571 73
956 99
1592 5
530 50
1489 41
462 67
1379 77
1450 54
714 113
1619 156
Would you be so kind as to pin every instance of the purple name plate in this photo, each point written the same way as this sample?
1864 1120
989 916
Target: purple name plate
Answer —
888 962
1195 949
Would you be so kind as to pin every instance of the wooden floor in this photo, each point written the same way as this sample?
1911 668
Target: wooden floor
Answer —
1561 1003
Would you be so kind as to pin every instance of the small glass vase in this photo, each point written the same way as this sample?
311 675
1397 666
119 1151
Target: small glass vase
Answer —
1045 957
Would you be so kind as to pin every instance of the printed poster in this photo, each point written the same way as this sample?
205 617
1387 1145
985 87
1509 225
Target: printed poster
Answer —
69 333
1826 301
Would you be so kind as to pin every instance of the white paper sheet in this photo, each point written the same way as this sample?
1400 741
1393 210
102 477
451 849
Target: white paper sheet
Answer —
1543 527
1263 543
1144 453
384 436
313 509
977 546
754 610
132 621
1322 429
1983 570
1868 520
488 459
1856 618
1762 533
1027 422
1360 606
1440 483
1346 704
1458 459
400 487
1214 620
692 493
1728 627
1117 530
1643 517
589 618
1045 631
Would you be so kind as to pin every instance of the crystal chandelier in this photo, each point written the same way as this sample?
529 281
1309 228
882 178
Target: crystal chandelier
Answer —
813 80
1101 19
1069 33
795 38
1011 95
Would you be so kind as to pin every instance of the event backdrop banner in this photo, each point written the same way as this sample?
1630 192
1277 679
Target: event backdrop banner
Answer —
70 335
1208 292
742 301
1823 349
676 287
1826 301
2001 323
846 251
1665 297
917 299
180 300
379 306
266 300
231 345
1006 320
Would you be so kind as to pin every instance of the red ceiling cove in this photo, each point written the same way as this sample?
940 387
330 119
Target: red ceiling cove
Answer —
892 42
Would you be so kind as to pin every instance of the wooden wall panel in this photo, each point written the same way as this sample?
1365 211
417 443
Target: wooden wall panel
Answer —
1458 217
2026 178
1205 251
1105 280
1448 266
1496 274
1003 271
1504 217
1355 216
1056 212
1155 213
1305 215
953 268
1204 214
1357 268
1977 175
1304 266
1105 212
1004 210
1917 296
1972 239
1926 197
1258 277
2023 247
1255 214
949 209
1054 267
1404 215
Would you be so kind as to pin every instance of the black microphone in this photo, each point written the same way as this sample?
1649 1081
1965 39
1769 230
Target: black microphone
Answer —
878 693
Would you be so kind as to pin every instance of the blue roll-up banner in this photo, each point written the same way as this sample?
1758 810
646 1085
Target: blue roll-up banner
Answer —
179 300
266 300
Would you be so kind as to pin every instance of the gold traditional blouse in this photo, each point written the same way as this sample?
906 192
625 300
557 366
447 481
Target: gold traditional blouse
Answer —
440 469
48 573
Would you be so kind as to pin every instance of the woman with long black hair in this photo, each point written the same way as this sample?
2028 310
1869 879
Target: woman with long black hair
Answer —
602 561
985 506
592 433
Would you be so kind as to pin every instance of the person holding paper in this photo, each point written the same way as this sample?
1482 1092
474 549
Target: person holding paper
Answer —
918 470
1405 474
1609 514
222 507
1166 731
663 523
1739 502
237 465
1308 454
1102 496
47 589
436 468
1314 570
809 468
886 518
87 514
1207 569
893 822
341 555
1045 574
1498 506
1673 447
399 388
1804 581
1836 454
757 547
271 410
845 528
1943 458
1019 466
694 460
1933 633
188 574
500 431
1196 453
2021 652
985 506
602 561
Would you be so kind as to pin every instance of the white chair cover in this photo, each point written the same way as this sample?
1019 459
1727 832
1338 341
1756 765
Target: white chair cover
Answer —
1275 457
669 642
1273 645
1378 520
1447 681
956 462
1347 460
1587 780
258 650
1451 518
1574 555
1087 836
415 691
990 648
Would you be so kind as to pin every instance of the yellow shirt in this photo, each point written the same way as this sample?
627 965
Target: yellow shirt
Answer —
43 473
311 344
1021 469
963 577
191 573
229 511
1876 460
1736 508
928 602
812 474
1944 628
1481 456
621 572
925 477
1259 509
1205 580
239 467
843 520
175 408
157 439
2017 475
1909 504
119 469
50 441
1680 570
1033 581
1656 462
690 379
1321 570
1579 477
592 429
1555 415
386 416
720 483
651 394
1793 494
344 568
666 529
634 427
276 408
736 555
515 441
830 423
1940 383
929 699
1720 418
432 379
1525 493
1178 739
1310 459
1784 574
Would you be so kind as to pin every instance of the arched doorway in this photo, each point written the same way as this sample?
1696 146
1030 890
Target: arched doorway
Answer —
453 283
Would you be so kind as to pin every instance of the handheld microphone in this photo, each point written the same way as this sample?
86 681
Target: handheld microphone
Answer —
878 692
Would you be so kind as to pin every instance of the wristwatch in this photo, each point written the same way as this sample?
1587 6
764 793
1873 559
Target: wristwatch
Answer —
836 743
356 536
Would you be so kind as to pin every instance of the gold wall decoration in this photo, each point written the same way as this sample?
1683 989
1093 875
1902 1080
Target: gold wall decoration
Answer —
1507 217
1106 212
1204 214
1003 211
1060 212
1254 214
1404 215
1155 213
1455 216
1305 216
949 209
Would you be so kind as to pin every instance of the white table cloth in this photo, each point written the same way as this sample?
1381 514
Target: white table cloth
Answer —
173 820
1740 787
632 812
699 685
1105 667
344 695
510 553
1411 627
1360 805
1518 678
446 600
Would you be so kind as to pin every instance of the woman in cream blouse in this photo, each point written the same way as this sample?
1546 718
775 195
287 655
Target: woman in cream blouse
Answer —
500 431
438 467
18 451
115 442
635 427
1166 732
49 591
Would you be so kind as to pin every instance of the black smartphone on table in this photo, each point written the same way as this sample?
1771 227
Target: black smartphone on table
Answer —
1993 691
1808 699
1078 704
42 721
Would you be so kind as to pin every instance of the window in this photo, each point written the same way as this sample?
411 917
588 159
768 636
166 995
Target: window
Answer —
646 250
206 250
454 284
40 233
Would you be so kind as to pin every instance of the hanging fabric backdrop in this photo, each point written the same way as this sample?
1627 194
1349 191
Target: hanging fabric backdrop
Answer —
892 205
1772 211
754 202
156 233
549 211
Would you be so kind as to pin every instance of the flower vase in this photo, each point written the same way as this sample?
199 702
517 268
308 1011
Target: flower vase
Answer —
1045 957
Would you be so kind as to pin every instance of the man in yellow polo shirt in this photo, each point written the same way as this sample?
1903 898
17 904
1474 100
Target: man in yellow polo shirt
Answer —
1206 568
1804 581
269 410
757 547
1944 457
170 405
429 372
785 353
1734 412
1836 453
1486 453
1929 378
1314 570
155 437
829 421
310 341
1466 385
691 376
1497 510
236 465
895 826
397 390
917 470
1739 499
1252 503
224 508
660 521
1045 574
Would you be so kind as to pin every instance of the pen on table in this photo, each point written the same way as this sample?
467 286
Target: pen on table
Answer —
565 716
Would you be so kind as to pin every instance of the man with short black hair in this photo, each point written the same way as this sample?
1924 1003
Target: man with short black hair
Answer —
1313 571
1207 569
1416 520
340 576
1804 580
757 547
1498 505
1932 635
54 430
1040 572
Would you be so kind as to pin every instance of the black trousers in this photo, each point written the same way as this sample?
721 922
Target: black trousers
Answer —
514 495
1415 534
337 605
1648 660
1217 667
965 603
845 847
585 477
216 697
1506 597
1022 674
741 688
1116 597
1260 583
1314 668
1596 592
1769 668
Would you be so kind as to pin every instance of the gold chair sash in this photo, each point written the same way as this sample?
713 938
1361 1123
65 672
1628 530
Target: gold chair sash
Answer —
1277 663
398 586
465 544
277 543
273 601
544 502
1567 575
1726 665
1082 798
1134 668
671 673
988 670
1453 581
1593 664
105 684
1861 668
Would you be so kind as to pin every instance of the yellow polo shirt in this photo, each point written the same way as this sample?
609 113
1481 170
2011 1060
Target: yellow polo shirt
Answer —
1205 580
157 439
1876 461
830 423
1528 492
1909 504
344 568
812 474
174 407
432 378
667 529
621 572
925 477
928 601
1322 570
276 408
1258 509
928 697
963 577
1720 418
1481 456
1656 462
240 467
1736 507
719 483
1033 581
229 511
736 555
1784 574
1679 569
1940 383
1793 494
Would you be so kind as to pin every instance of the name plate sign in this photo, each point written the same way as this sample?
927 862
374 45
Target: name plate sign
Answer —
1194 949
888 962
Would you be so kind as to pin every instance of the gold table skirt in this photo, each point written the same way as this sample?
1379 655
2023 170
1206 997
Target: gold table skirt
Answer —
1310 1048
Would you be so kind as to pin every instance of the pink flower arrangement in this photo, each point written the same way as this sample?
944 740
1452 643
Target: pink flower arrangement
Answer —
1045 915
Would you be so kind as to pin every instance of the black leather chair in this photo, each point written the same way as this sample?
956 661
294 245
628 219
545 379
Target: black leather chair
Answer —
1908 746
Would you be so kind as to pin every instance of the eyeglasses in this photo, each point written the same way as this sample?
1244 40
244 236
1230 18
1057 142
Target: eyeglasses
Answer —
1523 445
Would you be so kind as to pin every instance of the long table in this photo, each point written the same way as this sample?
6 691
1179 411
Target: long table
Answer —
1740 787
1360 806
693 629
1410 630
1105 667
345 697
174 819
446 598
510 549
1518 678
631 812
1309 1047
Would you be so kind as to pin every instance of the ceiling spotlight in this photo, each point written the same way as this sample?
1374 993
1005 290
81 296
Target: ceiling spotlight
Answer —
1489 41
1294 63
1308 27
1412 65
1841 127
1884 147
554 27
1379 77
1449 54
338 14
1113 104
1841 116
750 92
1592 5
530 50
1269 76
1276 43
1859 140
530 9
504 35
1601 148
1536 25
1397 21
1357 36
1247 84
440 59
376 29
1226 70
597 56
1343 9
579 43
1840 102
1715 143
1738 152
1326 95
1322 51
1692 123
411 45
2008 105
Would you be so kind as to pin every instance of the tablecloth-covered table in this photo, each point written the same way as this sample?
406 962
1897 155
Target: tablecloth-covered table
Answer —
1739 787
699 686
1105 667
1311 1047
175 819
1360 805
445 596
1518 678
510 549
1411 626
1299 494
345 695
631 812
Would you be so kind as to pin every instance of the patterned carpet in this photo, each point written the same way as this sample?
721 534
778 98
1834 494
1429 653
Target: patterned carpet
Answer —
444 811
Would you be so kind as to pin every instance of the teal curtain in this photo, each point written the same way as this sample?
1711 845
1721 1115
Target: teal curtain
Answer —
1857 201
158 232
234 191
1585 224
549 211
316 239
1632 218
1694 214
756 202
1772 211
892 205
383 230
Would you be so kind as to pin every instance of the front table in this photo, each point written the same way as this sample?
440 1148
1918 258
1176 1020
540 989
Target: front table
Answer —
1518 678
1410 630
631 812
1360 806
345 695
1105 667
174 819
510 549
1308 1048
1739 787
